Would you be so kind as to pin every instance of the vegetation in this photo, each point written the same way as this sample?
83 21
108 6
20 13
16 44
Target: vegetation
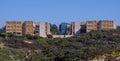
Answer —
77 48
54 29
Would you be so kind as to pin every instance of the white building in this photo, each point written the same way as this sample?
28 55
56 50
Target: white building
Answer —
77 27
41 28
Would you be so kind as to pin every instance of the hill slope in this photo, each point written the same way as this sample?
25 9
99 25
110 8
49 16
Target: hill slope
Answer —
78 48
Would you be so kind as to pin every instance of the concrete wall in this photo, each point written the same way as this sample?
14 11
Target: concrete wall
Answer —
42 29
61 36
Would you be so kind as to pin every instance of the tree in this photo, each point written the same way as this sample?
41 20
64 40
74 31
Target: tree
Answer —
49 36
54 29
118 27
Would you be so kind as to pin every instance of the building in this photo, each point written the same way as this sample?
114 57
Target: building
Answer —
14 27
91 25
83 27
41 28
69 29
106 24
47 28
100 25
28 28
63 28
77 28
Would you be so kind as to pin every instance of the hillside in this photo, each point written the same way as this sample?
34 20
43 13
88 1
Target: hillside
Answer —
85 47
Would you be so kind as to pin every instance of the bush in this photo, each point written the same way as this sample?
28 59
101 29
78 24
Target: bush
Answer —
49 36
33 37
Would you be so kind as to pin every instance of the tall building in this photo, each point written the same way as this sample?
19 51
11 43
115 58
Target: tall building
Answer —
15 27
41 28
106 24
77 28
91 25
28 28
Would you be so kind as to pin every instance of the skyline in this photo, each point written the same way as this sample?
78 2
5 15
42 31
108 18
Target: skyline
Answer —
59 11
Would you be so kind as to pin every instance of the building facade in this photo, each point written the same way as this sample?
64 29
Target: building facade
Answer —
28 28
14 27
41 28
106 25
77 28
63 28
100 25
91 25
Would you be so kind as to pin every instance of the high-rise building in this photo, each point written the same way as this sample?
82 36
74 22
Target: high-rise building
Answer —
91 25
28 28
14 27
41 28
106 24
77 28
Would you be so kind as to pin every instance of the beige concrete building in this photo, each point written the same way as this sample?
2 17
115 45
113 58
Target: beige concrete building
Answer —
41 28
15 27
100 25
91 25
28 28
106 25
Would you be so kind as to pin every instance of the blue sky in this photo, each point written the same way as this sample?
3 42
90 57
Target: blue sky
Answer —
57 11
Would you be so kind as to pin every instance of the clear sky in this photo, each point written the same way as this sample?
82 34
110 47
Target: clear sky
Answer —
57 11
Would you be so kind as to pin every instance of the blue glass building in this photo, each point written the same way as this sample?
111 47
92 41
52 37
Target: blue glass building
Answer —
63 28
